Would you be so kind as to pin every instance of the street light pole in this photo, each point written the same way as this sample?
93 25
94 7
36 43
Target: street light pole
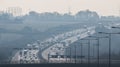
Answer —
66 54
49 58
109 50
88 51
109 34
81 52
75 54
98 51
97 38
70 55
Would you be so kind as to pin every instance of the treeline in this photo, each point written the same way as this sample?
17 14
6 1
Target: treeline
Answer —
9 18
86 15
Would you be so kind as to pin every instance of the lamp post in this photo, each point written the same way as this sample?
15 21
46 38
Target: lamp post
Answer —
81 44
68 56
65 54
75 53
109 34
81 52
98 51
76 56
49 57
88 51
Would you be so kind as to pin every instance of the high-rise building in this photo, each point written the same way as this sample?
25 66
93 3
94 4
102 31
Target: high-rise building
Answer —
15 11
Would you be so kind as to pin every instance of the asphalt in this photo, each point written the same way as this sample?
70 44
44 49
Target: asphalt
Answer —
58 65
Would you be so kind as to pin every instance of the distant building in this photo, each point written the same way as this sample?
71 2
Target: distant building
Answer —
1 12
15 11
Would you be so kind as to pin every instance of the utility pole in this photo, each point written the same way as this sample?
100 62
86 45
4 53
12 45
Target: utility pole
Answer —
109 34
81 52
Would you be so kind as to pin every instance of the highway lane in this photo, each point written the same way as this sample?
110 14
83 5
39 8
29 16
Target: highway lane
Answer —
68 41
54 41
65 37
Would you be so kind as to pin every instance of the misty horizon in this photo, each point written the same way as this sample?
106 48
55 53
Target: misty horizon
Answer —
102 7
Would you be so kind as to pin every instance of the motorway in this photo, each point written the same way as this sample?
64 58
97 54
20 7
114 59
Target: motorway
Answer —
51 46
59 47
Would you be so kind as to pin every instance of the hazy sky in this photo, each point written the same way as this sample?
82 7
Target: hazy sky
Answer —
103 7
